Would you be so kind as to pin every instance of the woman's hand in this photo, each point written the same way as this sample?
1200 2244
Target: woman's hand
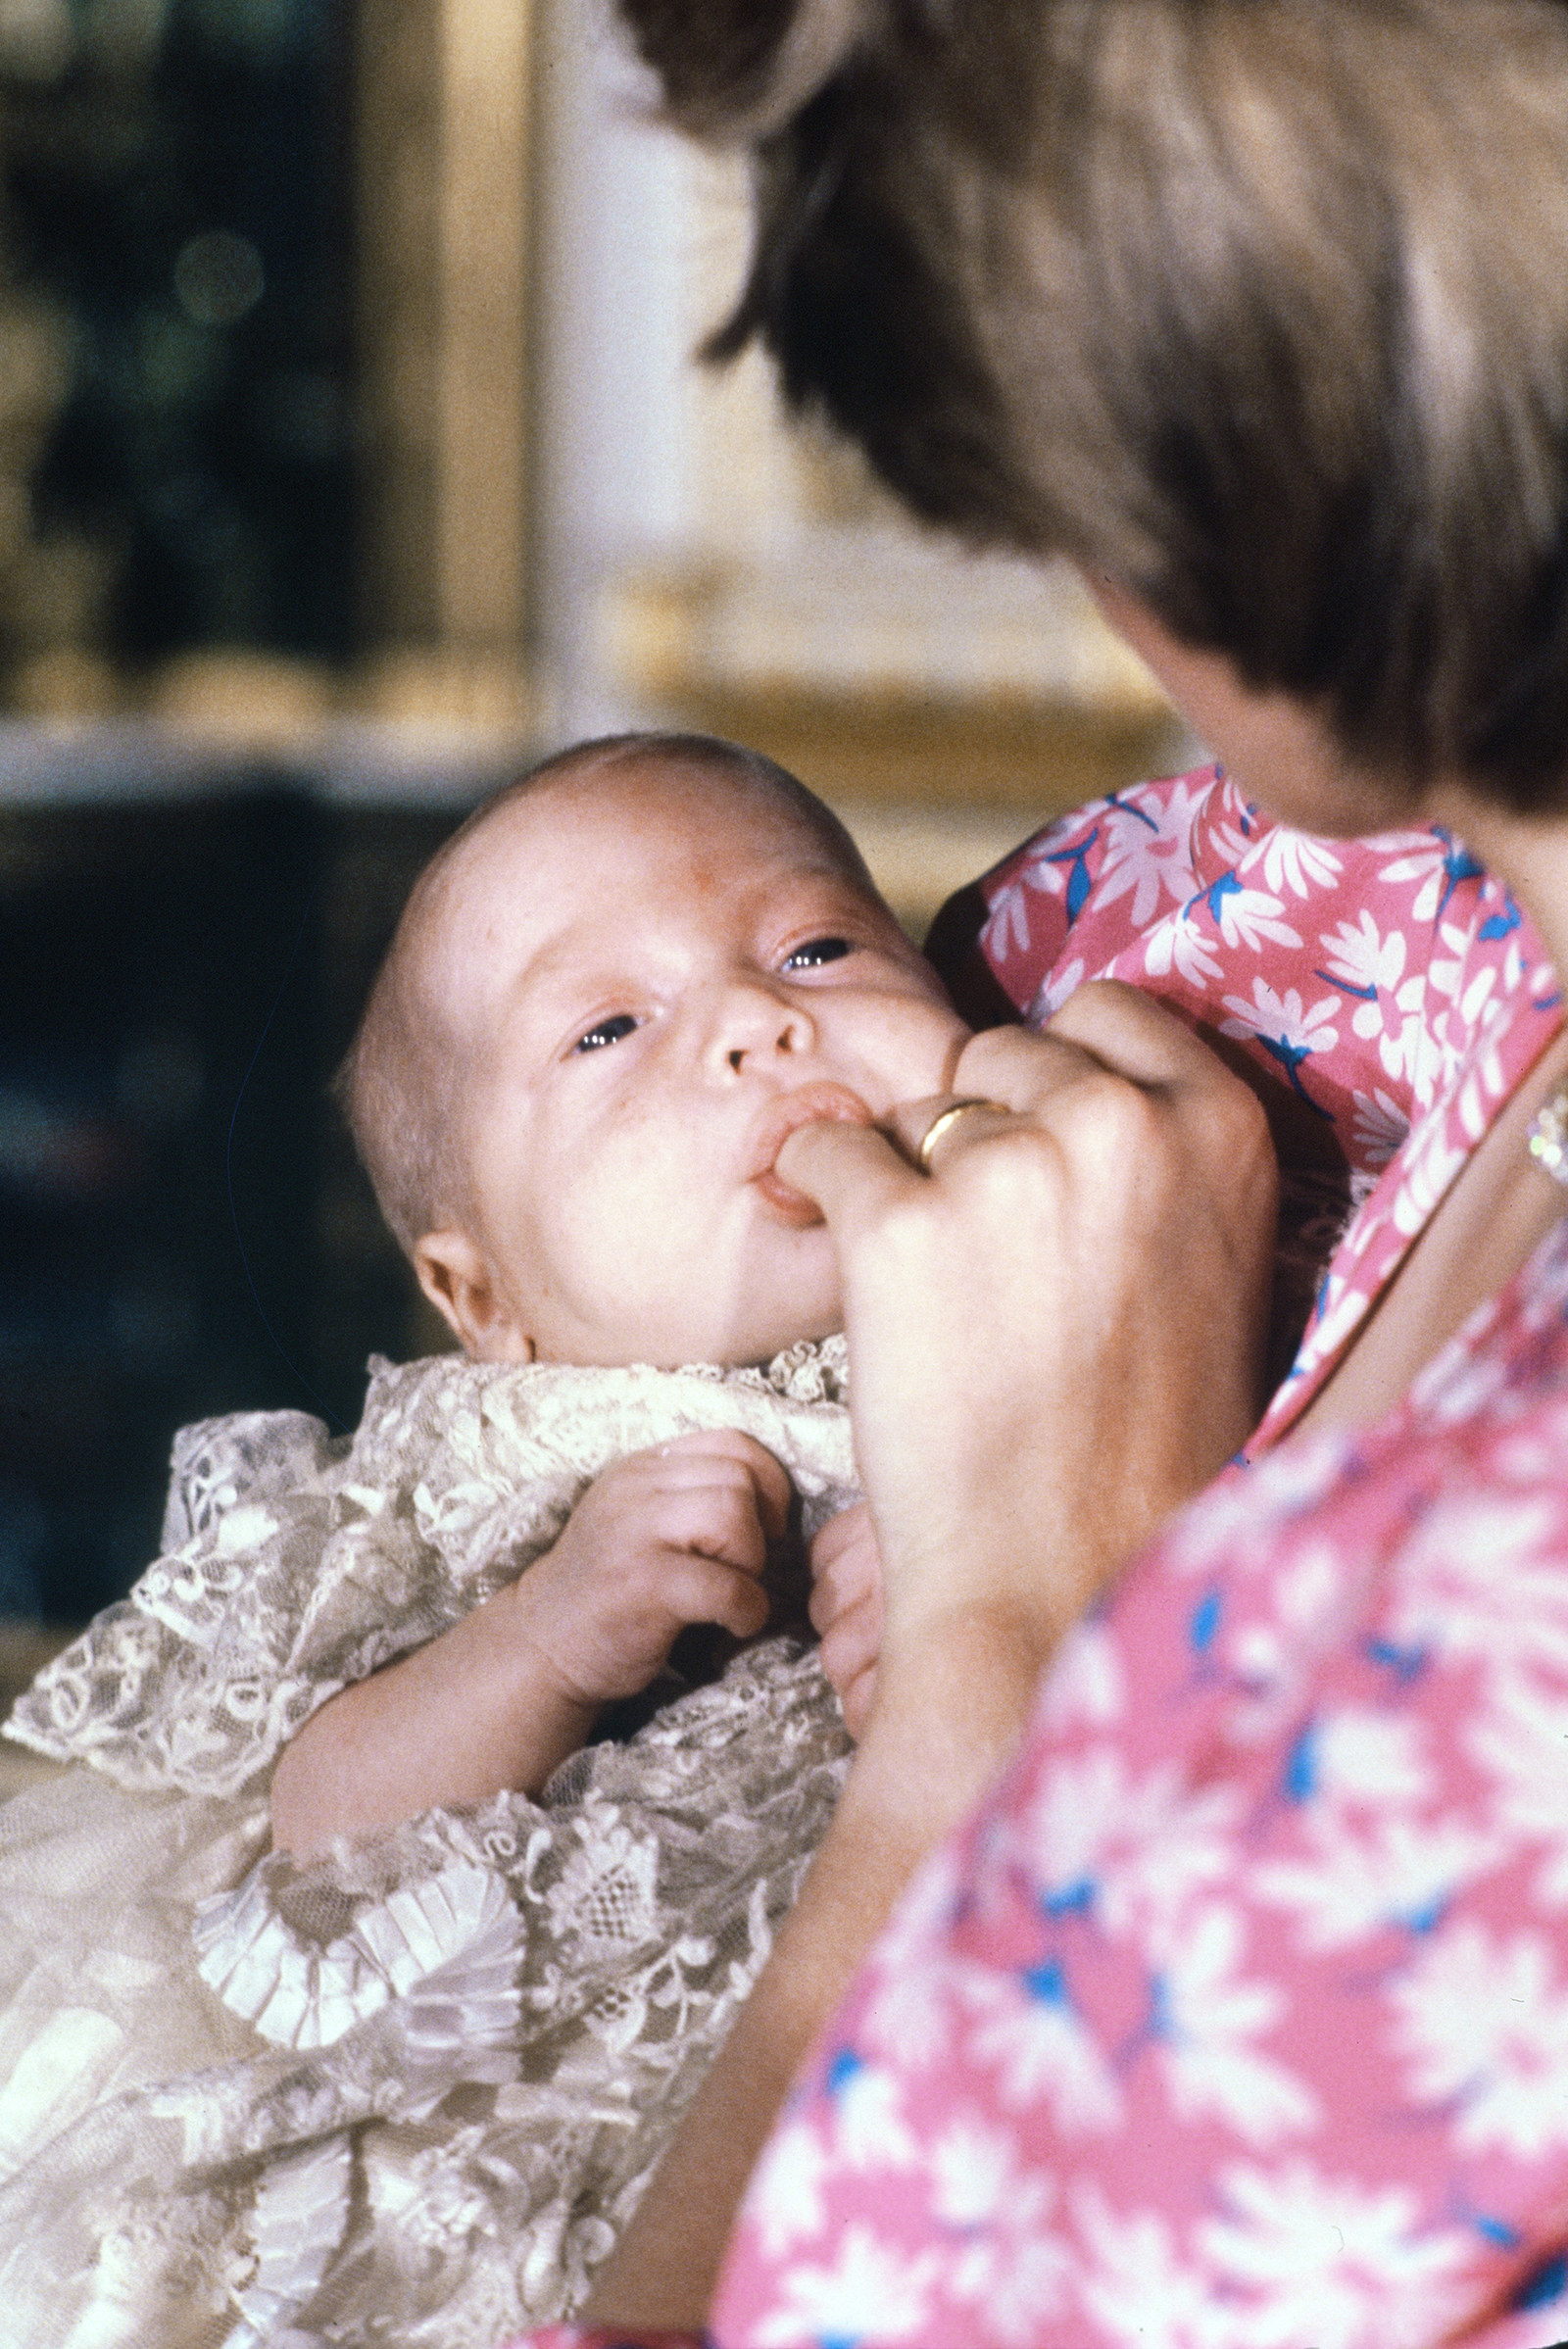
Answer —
1056 1338
846 1609
1057 1332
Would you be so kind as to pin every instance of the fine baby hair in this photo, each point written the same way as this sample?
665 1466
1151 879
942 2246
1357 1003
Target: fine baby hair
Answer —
402 1084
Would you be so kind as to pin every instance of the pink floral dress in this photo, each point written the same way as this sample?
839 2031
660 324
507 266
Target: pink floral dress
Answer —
1237 2017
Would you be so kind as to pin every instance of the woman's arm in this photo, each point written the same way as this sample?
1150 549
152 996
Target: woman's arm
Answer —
1057 1339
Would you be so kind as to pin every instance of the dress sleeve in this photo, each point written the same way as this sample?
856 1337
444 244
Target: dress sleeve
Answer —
1239 2013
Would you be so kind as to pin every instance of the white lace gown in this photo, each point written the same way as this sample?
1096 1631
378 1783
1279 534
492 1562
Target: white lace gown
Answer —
408 2093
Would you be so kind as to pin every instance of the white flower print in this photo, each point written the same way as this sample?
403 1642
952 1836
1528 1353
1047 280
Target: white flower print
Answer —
1295 861
1409 1048
1012 2282
1127 1851
1048 860
1437 865
784 2200
1485 2027
1138 2288
973 2172
1006 929
1364 1756
1012 2266
1357 1877
1246 916
1087 1683
1049 869
908 2019
1446 971
1241 1518
1027 2029
1205 2017
1148 850
1177 945
1362 959
1283 1024
1476 999
1431 1167
1343 1304
1331 2262
873 2291
1522 1739
1274 1653
1380 1127
1482 1577
870 2129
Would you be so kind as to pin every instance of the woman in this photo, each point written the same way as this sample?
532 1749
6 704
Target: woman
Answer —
1237 2013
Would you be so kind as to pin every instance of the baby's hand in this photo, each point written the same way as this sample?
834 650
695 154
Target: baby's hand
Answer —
845 1607
662 1538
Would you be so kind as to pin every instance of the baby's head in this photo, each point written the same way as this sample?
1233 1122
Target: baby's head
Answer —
612 995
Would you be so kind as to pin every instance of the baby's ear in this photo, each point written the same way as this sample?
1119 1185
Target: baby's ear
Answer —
454 1273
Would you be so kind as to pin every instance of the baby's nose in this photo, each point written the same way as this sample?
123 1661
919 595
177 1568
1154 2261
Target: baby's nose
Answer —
758 1024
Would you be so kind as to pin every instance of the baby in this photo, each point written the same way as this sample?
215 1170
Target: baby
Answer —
610 997
352 1994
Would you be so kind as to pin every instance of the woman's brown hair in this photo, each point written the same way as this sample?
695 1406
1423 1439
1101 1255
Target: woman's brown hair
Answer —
1261 307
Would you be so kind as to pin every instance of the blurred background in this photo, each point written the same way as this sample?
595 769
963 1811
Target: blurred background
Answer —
352 455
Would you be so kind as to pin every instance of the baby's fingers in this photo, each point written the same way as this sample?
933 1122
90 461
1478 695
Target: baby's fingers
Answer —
698 1590
721 1458
719 1521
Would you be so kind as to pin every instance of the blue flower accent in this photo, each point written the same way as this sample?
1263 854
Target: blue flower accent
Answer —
1499 925
1204 1622
1496 2231
1405 1663
1427 1918
1362 995
1215 896
1300 1766
1290 1057
1077 857
1048 1984
1457 865
1542 2284
1161 2024
1072 1900
844 2068
1114 798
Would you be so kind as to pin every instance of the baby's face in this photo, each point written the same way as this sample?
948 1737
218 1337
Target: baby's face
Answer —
666 976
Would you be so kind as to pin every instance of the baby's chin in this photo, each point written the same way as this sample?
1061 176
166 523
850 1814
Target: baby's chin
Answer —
751 1347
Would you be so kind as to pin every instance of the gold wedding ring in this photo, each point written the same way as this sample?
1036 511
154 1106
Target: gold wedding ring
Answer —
946 1119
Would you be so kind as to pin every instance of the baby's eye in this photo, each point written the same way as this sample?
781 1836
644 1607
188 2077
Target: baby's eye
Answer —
606 1032
818 950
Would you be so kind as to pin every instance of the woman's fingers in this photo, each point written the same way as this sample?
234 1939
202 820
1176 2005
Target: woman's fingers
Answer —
1056 1325
854 1173
1107 1027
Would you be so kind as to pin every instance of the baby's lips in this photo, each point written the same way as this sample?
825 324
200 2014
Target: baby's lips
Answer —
809 1106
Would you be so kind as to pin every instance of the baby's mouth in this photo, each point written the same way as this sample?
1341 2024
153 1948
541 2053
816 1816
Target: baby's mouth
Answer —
809 1106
